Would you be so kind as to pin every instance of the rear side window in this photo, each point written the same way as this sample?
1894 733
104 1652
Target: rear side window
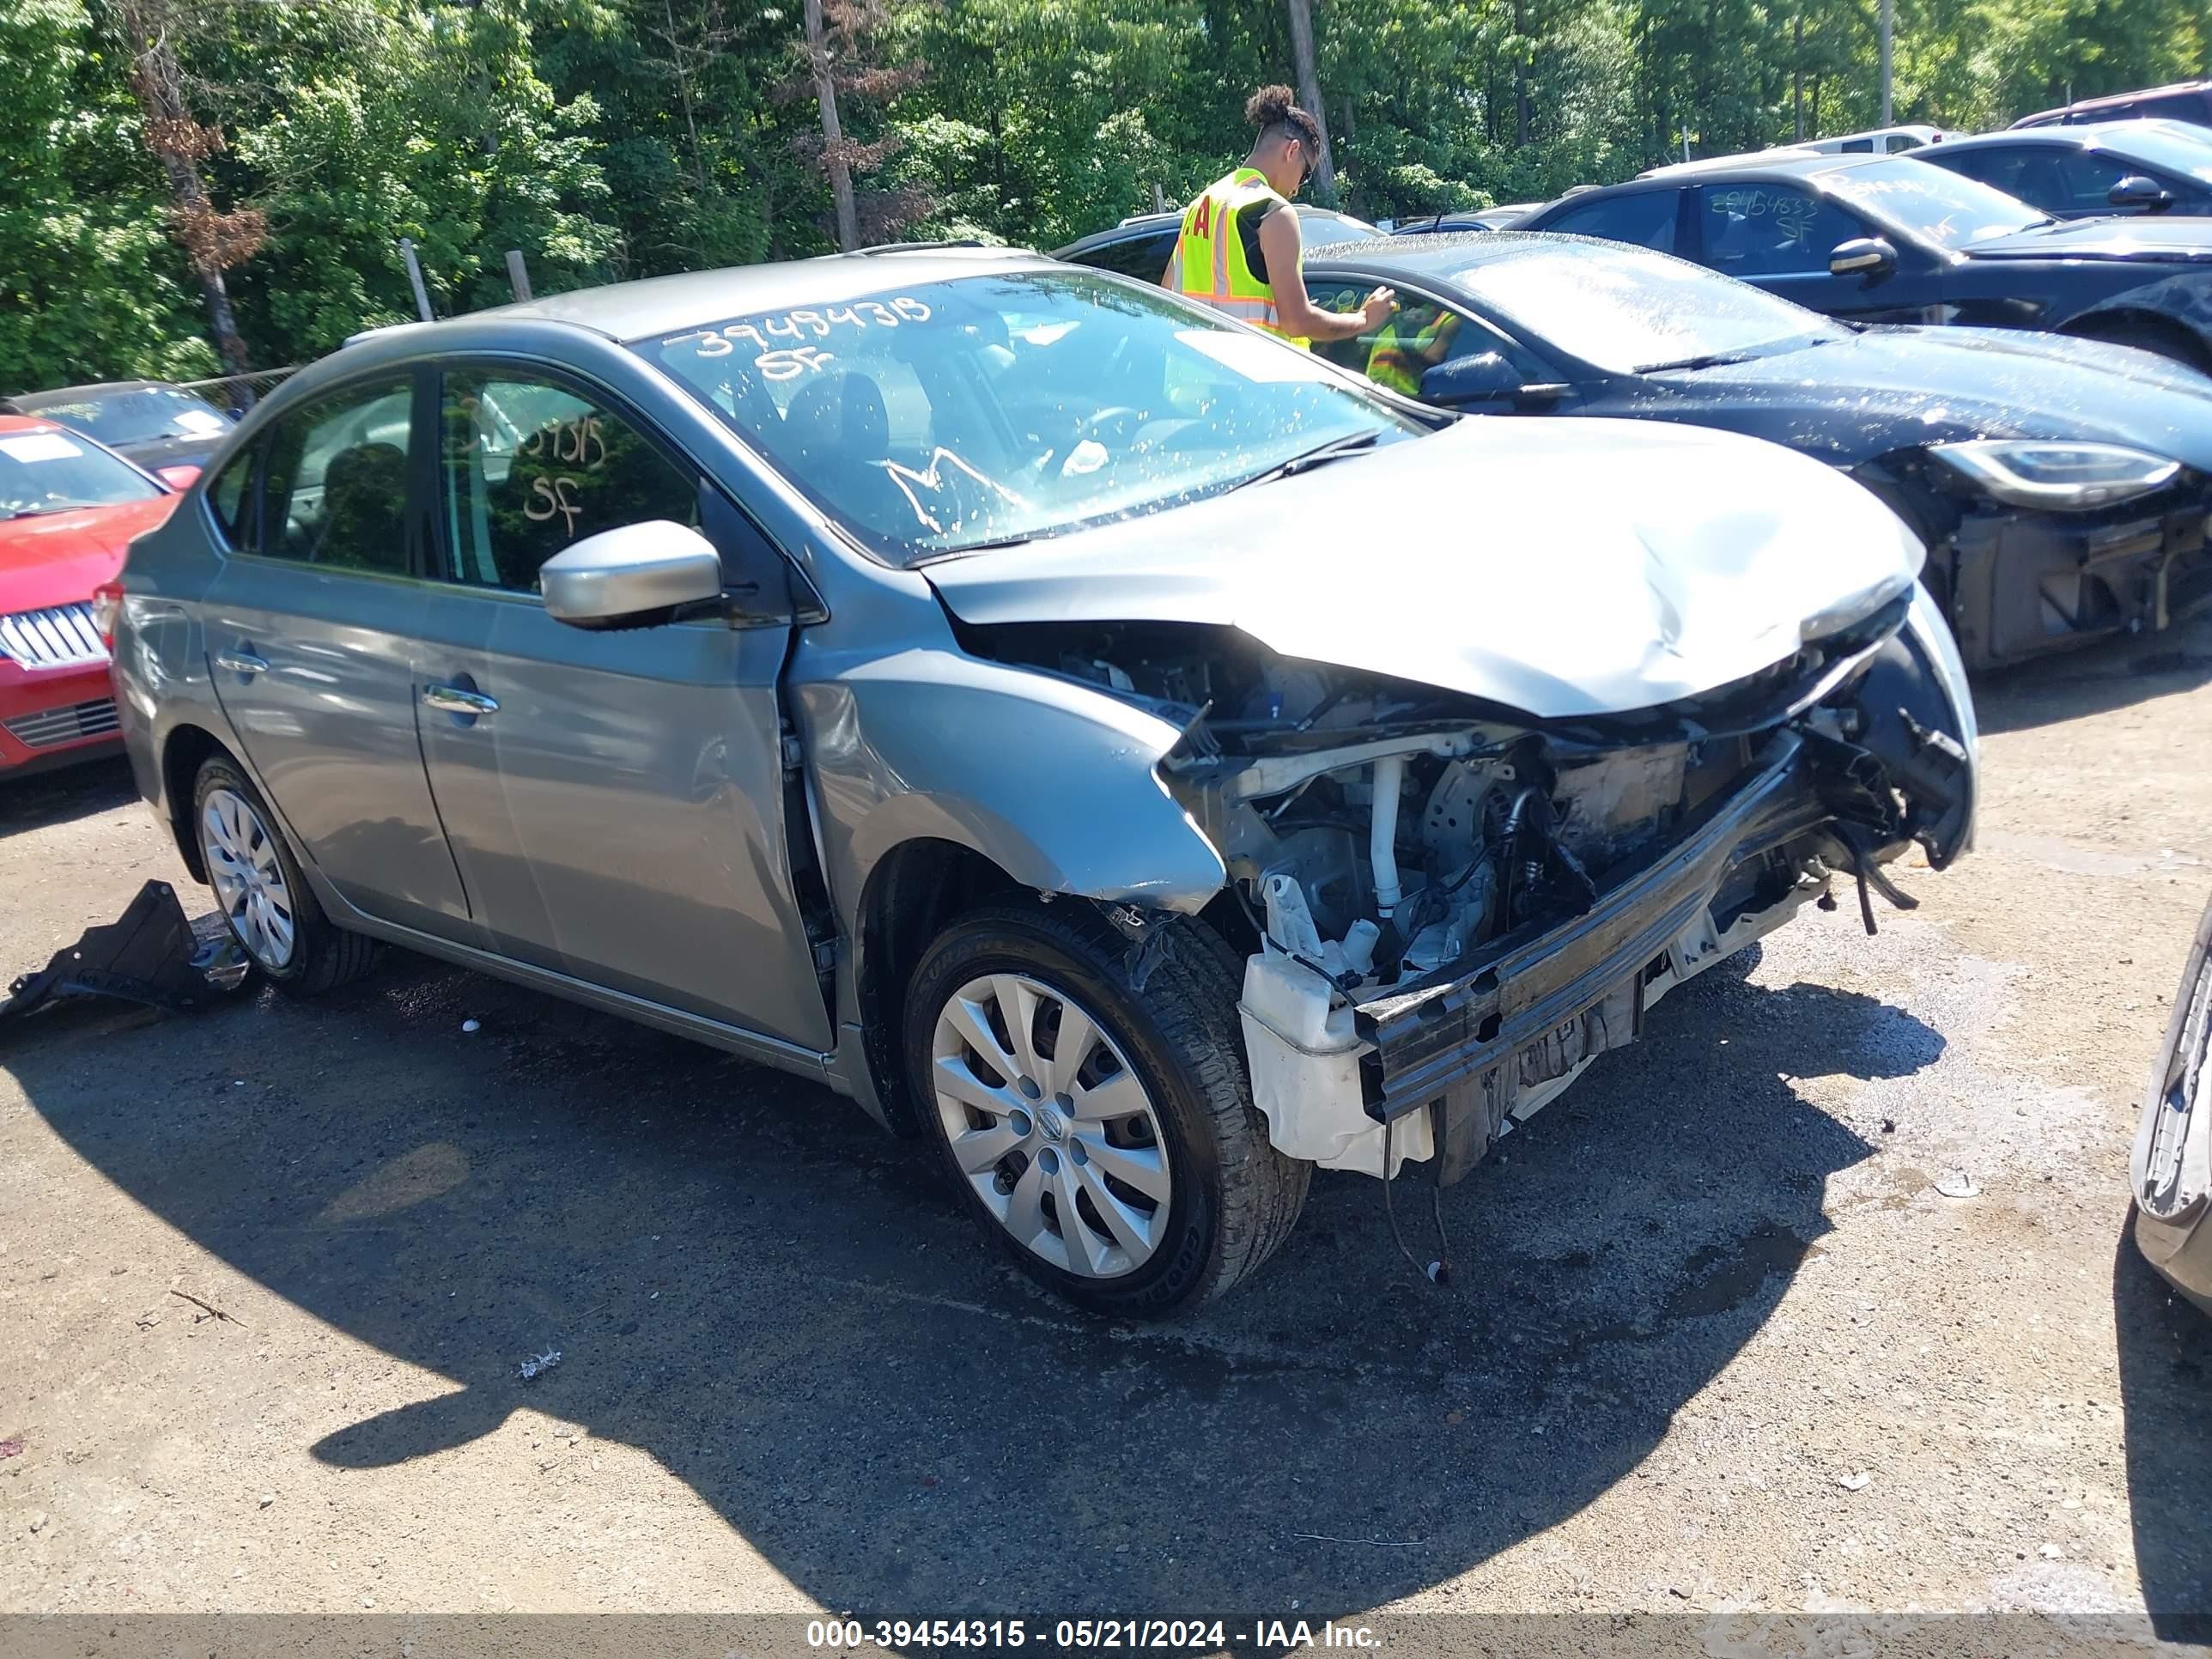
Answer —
334 488
230 498
1773 230
1647 219
1142 257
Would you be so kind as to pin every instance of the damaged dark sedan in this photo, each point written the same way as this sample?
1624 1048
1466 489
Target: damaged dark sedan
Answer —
985 687
2063 487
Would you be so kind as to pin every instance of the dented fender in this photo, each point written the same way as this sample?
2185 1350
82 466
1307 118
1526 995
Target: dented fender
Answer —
1054 782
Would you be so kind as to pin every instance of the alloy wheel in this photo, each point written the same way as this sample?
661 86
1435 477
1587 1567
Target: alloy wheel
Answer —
248 878
1050 1126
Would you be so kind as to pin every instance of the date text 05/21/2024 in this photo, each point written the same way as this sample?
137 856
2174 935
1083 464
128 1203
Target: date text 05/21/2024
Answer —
1105 1635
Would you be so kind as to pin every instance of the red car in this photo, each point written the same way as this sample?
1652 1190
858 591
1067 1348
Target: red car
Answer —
68 511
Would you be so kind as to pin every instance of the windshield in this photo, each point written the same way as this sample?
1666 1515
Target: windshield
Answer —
1932 203
2170 149
1627 310
51 472
945 416
139 415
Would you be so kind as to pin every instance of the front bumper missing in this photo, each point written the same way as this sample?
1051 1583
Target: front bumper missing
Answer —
1541 1002
2024 583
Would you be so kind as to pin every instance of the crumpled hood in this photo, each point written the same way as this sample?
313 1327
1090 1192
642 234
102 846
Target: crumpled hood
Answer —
1888 388
1561 568
2139 237
59 558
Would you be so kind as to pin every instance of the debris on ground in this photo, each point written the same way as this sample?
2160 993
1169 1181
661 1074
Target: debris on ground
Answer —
147 955
543 1362
213 1311
12 1446
1958 1184
1853 1482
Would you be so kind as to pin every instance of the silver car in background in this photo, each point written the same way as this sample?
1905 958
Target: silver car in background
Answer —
1094 736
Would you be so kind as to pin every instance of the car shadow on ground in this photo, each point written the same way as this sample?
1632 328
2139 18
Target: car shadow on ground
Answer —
64 795
2095 679
2166 1375
746 1280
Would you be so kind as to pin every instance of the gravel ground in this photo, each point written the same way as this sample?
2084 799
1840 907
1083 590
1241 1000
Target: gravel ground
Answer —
1717 1341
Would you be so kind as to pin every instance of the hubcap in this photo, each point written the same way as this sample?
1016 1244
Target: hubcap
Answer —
1050 1126
249 882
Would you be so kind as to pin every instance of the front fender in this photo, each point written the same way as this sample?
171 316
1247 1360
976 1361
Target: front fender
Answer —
1052 782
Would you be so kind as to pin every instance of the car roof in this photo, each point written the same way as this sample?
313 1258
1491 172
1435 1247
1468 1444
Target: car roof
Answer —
66 394
1790 165
664 305
1442 257
2106 100
1144 224
2080 134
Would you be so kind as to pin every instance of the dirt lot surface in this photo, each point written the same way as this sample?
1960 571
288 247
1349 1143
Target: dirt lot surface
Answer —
1717 1341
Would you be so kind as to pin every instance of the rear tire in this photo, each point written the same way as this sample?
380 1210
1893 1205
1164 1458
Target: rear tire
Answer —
1158 1088
266 903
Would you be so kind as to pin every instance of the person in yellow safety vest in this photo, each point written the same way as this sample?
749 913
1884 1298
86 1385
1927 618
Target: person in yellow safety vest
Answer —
1410 343
1239 250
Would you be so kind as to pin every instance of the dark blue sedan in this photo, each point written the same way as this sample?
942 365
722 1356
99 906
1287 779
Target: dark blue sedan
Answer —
1893 239
2063 487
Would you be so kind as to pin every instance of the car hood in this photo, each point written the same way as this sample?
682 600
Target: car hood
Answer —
2135 238
59 558
1613 565
1891 388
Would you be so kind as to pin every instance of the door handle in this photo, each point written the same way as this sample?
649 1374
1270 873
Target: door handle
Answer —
453 699
243 660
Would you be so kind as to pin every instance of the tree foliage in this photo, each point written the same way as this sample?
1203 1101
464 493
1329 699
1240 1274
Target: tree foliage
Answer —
609 139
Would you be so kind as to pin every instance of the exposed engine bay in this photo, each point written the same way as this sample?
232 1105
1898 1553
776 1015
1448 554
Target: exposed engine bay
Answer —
1452 908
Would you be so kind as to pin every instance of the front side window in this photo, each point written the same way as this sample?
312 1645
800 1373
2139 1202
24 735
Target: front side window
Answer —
1144 257
998 407
1647 220
334 489
44 471
1418 335
1773 230
529 467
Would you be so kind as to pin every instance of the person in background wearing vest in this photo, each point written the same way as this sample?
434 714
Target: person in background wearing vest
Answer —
1239 251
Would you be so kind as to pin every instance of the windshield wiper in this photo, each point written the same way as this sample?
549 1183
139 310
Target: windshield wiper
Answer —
1320 455
1710 359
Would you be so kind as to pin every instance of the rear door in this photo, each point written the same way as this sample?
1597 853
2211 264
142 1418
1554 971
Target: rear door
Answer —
616 799
310 628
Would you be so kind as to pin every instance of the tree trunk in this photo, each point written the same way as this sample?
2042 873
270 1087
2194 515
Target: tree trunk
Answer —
1797 76
683 93
1302 54
177 142
1520 74
833 133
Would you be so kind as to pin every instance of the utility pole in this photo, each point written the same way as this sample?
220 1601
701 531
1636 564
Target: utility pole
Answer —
1888 29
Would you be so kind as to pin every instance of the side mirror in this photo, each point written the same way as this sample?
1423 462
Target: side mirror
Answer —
2135 192
182 475
1485 378
630 576
1862 256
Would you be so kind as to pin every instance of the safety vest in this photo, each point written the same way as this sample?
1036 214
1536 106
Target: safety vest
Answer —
1209 263
1405 351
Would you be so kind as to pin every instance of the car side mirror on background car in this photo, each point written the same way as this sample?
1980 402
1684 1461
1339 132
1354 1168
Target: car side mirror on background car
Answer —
1483 377
1862 256
631 576
2137 191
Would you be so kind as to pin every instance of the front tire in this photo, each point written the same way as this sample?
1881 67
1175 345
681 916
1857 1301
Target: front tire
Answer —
267 904
1104 1134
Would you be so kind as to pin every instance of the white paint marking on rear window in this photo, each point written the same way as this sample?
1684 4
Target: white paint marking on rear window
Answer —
38 446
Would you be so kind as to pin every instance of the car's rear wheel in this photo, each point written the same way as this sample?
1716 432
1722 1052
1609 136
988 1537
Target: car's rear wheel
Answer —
1103 1133
269 909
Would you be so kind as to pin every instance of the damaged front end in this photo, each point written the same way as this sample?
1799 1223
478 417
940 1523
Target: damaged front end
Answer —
1452 908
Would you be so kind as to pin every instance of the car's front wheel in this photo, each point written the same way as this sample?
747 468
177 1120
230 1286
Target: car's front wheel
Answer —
1103 1131
271 913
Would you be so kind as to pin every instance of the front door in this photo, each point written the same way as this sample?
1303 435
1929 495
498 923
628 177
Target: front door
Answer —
310 628
616 799
1781 236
